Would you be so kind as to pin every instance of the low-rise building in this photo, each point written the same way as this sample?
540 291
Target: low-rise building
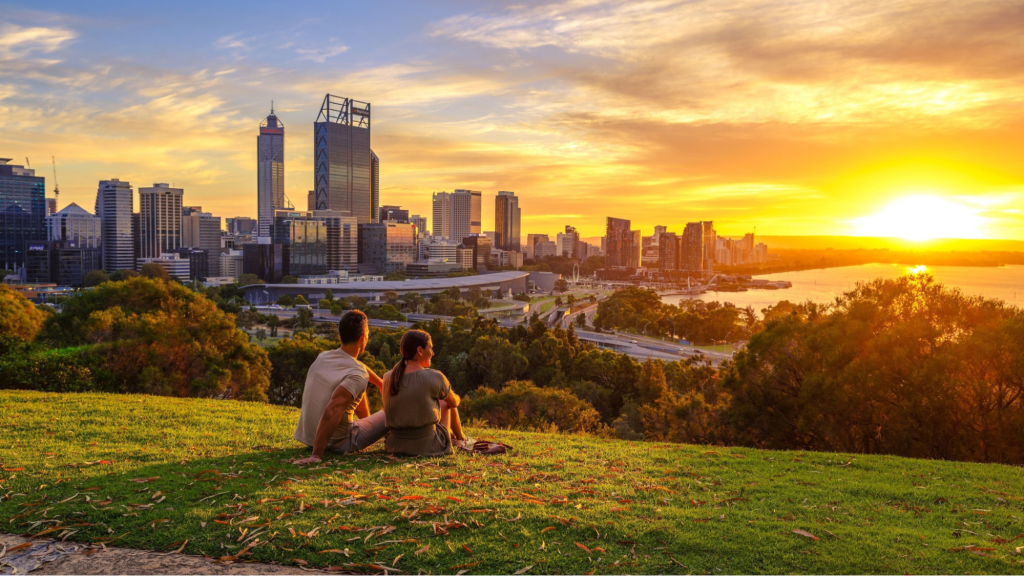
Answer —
432 269
172 262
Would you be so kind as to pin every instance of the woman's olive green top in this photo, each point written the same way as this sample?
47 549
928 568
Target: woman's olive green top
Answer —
413 415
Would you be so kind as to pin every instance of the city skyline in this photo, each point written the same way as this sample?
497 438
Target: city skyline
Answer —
763 132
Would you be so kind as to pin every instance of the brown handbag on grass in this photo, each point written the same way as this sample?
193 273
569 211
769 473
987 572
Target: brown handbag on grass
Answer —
486 447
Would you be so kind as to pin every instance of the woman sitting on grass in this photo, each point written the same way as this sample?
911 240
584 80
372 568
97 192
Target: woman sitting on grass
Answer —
420 408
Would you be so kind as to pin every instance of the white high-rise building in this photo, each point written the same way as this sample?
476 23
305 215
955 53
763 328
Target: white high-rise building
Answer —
442 215
461 214
75 225
270 173
454 213
114 206
159 220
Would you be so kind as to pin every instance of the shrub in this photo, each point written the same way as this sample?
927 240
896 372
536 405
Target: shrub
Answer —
521 405
69 370
161 337
18 316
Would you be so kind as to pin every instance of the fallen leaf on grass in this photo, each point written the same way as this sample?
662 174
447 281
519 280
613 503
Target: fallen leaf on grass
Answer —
619 508
144 480
334 551
805 534
547 529
461 566
466 548
582 547
19 547
395 561
522 570
422 550
14 469
454 499
411 498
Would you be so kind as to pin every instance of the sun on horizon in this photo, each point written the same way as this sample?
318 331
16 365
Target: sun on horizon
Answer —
923 217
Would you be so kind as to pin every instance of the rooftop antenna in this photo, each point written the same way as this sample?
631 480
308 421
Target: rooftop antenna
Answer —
56 188
271 107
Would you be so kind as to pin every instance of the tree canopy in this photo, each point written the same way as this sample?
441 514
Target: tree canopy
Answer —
160 337
19 317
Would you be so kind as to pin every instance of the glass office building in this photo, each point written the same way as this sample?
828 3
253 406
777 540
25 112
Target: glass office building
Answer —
618 243
304 239
345 169
387 247
22 213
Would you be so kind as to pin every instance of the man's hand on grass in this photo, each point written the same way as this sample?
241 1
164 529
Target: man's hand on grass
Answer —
311 460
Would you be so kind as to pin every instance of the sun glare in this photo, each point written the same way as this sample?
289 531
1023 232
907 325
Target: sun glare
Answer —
922 218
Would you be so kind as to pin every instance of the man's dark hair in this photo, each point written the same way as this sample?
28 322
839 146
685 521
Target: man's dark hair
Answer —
351 326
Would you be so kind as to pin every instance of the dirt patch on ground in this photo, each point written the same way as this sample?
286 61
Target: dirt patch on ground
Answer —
43 556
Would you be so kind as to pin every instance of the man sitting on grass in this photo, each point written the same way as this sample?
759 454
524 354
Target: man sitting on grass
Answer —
335 390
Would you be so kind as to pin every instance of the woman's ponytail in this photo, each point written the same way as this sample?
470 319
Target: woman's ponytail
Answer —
411 342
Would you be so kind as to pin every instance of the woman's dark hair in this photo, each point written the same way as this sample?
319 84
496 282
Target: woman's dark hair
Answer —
411 342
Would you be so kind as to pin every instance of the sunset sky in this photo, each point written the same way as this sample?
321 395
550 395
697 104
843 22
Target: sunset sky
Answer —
799 118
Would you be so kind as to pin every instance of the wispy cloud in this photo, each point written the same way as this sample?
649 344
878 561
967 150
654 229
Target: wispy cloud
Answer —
322 53
19 45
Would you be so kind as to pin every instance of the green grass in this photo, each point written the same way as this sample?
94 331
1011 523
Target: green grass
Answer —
215 473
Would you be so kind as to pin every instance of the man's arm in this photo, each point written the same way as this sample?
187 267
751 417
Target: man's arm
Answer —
363 408
328 423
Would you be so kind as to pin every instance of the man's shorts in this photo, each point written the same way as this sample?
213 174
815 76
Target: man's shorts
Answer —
363 433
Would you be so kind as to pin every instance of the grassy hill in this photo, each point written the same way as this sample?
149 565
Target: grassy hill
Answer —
162 473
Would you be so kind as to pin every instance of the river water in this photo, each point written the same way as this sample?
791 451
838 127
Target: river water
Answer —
1005 283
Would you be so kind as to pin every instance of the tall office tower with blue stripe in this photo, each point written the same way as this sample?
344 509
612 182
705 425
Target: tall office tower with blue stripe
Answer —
346 172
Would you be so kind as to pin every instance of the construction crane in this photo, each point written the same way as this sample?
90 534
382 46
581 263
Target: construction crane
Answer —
27 163
56 188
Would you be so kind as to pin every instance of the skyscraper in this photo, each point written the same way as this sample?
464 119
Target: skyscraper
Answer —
270 172
691 249
345 169
618 242
460 214
710 243
159 220
668 252
114 206
442 215
475 206
506 221
22 212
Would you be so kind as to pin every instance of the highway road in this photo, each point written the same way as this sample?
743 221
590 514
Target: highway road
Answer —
638 347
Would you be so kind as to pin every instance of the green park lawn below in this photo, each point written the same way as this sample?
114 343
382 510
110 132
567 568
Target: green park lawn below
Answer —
211 477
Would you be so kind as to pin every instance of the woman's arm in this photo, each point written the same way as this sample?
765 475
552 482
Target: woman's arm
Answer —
376 380
452 399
